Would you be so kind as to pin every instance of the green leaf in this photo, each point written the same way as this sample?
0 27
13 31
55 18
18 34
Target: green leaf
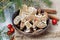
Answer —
1 11
1 38
18 2
28 2
48 2
8 5
2 17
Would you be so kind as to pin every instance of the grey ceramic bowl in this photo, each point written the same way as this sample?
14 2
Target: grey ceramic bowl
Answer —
28 34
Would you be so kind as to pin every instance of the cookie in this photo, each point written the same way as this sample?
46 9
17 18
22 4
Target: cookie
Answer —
28 25
32 10
41 25
16 20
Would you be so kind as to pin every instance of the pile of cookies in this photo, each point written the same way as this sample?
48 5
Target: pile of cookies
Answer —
31 19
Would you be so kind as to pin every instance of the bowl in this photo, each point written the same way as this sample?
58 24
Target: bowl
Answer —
36 33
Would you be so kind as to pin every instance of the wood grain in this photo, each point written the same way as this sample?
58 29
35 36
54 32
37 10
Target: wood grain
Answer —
53 17
50 11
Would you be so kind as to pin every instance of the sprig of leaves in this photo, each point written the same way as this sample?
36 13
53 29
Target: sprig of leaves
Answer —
48 2
28 2
2 6
17 2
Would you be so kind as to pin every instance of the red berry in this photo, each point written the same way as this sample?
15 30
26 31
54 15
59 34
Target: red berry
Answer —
54 21
9 33
12 30
9 26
